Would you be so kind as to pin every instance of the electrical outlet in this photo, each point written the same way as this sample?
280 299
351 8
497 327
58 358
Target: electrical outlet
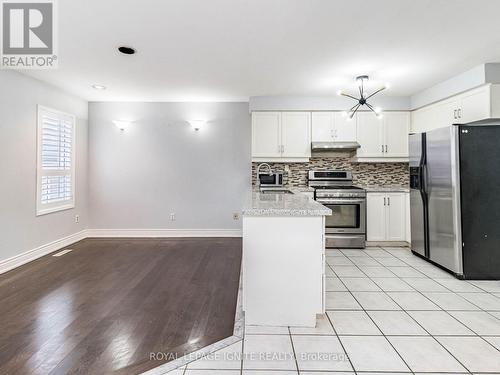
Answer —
236 216
172 216
77 218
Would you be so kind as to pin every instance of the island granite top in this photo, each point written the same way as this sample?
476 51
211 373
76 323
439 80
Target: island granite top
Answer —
279 204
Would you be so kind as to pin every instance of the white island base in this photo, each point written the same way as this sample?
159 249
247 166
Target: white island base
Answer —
283 270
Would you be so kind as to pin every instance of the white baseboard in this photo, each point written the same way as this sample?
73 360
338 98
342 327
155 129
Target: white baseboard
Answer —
40 251
30 255
164 233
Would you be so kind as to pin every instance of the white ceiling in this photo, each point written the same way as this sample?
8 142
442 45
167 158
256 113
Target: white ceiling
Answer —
229 50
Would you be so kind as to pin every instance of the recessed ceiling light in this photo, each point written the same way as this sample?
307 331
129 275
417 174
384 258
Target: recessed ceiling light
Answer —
127 50
99 87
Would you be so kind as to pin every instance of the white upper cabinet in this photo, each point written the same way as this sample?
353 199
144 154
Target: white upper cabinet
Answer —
266 134
280 136
370 135
383 139
345 129
323 124
396 129
474 105
333 127
296 134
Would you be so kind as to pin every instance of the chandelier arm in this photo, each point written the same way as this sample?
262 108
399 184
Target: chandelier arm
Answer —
371 108
354 106
360 87
353 112
349 96
375 93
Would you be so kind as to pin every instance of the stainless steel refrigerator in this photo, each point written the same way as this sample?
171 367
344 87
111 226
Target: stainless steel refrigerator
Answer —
455 198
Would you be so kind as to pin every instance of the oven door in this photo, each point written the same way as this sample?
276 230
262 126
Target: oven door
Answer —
348 215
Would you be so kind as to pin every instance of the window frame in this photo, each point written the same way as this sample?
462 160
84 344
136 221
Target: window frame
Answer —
43 209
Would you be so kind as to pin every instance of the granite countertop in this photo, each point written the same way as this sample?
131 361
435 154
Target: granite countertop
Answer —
279 204
385 188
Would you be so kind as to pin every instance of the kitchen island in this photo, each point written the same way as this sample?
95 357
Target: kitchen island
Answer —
283 259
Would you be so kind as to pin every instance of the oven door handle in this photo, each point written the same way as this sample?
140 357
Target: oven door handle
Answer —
340 201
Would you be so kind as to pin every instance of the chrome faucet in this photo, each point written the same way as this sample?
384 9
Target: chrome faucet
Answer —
264 165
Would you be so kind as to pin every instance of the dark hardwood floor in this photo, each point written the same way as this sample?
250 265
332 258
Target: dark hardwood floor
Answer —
108 304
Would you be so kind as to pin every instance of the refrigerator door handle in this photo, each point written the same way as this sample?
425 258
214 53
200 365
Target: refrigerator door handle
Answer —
425 179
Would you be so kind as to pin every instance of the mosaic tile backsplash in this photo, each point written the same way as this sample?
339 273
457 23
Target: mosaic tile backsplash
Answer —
364 174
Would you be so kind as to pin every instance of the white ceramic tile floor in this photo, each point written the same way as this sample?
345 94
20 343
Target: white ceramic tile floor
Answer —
476 354
311 349
480 322
353 323
268 352
401 316
396 323
450 301
440 323
412 301
372 353
375 301
392 284
341 301
424 284
333 284
485 301
358 284
425 354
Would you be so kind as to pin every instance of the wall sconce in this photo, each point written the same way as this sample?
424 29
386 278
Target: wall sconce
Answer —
197 124
122 125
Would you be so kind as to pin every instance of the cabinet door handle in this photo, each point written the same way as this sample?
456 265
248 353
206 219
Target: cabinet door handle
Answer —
459 113
282 149
384 201
382 148
388 201
455 114
386 149
279 149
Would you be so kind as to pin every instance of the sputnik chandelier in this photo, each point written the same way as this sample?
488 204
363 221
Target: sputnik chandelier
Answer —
363 99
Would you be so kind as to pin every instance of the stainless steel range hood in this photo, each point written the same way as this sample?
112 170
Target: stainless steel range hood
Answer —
334 146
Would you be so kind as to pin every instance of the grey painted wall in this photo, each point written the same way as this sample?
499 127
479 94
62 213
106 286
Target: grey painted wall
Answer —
20 229
161 166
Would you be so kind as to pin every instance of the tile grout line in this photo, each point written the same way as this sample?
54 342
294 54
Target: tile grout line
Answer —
448 312
340 341
439 343
293 350
363 309
405 311
243 348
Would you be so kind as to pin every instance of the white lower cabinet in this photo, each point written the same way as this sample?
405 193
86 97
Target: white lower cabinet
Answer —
386 216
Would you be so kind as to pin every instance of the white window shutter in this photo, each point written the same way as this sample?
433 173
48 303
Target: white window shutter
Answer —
56 161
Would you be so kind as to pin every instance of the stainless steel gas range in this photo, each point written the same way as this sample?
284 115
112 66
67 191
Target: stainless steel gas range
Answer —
346 227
